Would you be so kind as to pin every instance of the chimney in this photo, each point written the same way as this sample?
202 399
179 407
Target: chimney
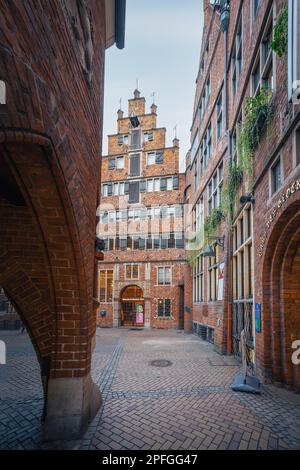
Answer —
120 114
175 142
153 108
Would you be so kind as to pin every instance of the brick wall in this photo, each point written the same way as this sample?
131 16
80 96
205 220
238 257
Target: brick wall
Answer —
51 128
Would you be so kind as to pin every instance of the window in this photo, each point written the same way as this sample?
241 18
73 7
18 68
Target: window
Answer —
150 186
235 138
156 184
122 139
215 189
263 71
151 158
198 215
155 158
242 256
179 240
194 146
164 276
198 285
203 102
213 275
256 78
237 57
164 308
148 136
276 176
134 192
297 147
293 49
255 6
169 184
135 139
120 163
132 272
106 286
135 164
219 117
206 147
196 174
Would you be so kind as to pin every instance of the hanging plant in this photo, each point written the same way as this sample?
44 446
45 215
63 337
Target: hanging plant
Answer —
212 222
230 188
258 112
280 34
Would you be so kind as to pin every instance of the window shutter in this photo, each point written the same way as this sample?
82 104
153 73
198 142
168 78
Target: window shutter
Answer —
163 184
143 186
126 187
175 182
159 157
134 192
111 163
135 165
109 189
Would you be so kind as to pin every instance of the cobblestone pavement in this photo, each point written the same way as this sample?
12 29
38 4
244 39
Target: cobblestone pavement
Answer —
188 405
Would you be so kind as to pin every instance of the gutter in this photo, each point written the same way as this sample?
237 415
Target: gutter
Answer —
120 13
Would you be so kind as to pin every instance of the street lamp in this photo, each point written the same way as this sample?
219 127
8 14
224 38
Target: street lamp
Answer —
209 250
223 8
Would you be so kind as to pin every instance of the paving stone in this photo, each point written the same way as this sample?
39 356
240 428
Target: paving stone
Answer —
187 406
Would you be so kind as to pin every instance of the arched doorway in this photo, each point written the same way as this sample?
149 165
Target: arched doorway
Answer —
132 306
281 298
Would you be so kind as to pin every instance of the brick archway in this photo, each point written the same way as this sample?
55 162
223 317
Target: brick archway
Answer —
281 297
50 130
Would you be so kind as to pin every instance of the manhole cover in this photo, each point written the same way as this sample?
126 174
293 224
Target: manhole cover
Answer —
160 363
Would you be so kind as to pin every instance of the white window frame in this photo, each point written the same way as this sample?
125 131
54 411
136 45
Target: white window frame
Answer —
164 268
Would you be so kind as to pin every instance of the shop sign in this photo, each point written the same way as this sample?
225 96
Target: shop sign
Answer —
284 197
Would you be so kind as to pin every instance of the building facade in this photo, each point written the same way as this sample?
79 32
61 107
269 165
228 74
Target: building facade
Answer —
141 225
243 184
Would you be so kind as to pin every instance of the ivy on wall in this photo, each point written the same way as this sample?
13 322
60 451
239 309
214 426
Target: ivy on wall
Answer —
280 34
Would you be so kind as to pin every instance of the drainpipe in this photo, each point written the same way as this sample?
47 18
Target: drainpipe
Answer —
224 18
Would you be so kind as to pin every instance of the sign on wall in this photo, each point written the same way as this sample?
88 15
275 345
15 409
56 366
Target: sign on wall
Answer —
221 281
258 318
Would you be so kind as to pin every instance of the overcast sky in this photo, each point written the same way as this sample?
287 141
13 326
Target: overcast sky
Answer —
162 48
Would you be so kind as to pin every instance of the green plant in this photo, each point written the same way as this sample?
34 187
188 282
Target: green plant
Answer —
280 34
230 188
258 113
211 223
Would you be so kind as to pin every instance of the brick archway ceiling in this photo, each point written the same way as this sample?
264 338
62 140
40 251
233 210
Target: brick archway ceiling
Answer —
41 242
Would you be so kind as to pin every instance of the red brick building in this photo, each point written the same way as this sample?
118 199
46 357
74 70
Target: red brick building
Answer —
243 183
141 224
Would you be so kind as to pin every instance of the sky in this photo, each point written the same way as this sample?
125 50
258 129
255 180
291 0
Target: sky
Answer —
162 49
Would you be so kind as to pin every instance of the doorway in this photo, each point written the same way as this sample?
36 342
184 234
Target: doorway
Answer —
132 307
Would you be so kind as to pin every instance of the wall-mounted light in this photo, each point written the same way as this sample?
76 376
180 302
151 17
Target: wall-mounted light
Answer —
247 198
223 8
209 251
